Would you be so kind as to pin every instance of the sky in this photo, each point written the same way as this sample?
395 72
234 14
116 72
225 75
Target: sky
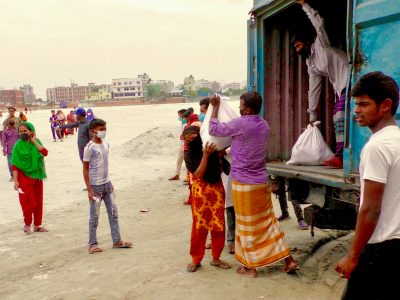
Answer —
49 43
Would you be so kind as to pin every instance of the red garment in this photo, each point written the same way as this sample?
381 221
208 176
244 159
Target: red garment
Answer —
193 118
198 244
32 198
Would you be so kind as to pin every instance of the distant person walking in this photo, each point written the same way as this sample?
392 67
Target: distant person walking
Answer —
71 119
11 116
179 159
53 125
99 186
84 133
29 172
259 238
90 115
8 140
373 259
208 200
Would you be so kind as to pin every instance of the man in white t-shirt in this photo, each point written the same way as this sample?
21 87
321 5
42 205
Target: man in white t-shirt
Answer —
374 254
99 186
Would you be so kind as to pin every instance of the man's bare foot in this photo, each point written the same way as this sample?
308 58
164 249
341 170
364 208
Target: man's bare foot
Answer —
252 273
27 229
290 265
220 264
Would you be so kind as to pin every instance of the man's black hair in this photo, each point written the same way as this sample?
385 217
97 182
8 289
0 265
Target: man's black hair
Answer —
96 123
252 100
181 111
378 87
205 101
186 114
303 36
191 110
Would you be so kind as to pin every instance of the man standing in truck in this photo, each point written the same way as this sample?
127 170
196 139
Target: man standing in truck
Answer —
324 61
374 255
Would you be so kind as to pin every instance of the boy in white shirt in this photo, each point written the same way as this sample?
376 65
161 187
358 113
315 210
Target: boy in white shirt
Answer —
98 183
374 254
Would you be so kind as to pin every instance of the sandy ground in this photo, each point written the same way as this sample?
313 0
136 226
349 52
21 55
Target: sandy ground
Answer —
143 140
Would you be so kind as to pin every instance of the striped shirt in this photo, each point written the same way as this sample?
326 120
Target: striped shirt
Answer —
97 156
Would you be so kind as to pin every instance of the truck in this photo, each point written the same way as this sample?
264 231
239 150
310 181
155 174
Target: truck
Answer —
369 32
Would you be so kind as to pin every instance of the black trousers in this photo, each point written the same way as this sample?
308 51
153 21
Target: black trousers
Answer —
376 276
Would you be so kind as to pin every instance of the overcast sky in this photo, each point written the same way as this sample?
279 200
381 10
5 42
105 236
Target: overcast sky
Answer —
51 42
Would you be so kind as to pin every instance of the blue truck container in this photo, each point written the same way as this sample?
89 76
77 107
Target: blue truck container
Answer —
369 32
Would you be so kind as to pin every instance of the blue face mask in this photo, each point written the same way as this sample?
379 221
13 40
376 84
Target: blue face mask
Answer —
202 117
184 121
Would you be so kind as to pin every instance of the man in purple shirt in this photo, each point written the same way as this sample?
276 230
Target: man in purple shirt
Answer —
259 238
8 139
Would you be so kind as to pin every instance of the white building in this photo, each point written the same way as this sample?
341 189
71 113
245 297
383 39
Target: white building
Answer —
233 86
29 96
202 83
127 88
189 83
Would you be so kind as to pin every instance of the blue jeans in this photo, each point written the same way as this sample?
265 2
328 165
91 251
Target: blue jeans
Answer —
9 164
106 193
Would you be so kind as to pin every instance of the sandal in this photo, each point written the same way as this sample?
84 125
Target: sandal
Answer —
220 264
122 244
94 249
40 229
245 272
27 229
191 268
303 225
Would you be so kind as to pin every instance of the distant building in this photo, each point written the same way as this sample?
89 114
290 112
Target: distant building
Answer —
29 96
166 85
189 83
216 86
145 78
74 93
175 93
127 88
101 94
233 86
12 97
202 83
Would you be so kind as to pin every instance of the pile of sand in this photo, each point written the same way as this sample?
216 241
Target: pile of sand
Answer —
156 142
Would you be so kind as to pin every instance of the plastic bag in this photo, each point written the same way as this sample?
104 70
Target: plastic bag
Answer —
310 149
225 114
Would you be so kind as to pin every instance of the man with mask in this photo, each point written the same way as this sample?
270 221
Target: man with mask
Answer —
324 61
204 103
8 140
11 116
84 133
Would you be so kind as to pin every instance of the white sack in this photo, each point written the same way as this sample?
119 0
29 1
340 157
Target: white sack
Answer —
225 114
310 149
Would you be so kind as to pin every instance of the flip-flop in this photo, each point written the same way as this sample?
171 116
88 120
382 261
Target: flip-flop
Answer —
191 268
40 229
95 249
242 271
221 265
122 244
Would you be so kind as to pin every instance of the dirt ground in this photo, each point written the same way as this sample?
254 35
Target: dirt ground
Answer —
56 265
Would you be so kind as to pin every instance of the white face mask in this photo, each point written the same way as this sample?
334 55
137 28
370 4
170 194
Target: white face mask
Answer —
101 134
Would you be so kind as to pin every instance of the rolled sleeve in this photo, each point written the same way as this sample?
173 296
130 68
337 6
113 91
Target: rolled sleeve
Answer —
219 129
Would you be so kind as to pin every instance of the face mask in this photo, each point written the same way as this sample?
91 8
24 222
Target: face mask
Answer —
184 121
101 134
202 117
24 136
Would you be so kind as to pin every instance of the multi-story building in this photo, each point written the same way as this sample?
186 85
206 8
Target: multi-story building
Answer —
166 85
99 94
189 83
233 86
127 88
12 97
29 96
145 78
74 93
216 86
202 83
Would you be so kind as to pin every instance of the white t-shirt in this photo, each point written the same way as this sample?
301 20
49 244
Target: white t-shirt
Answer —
380 162
97 156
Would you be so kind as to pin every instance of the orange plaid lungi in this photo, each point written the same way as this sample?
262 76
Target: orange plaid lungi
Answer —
259 238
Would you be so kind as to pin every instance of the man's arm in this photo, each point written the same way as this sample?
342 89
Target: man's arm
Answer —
87 181
314 94
318 23
367 219
70 125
